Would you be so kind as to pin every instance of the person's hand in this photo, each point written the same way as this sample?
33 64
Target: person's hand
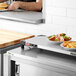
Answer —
14 6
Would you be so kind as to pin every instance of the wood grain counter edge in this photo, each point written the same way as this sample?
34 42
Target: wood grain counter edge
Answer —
14 42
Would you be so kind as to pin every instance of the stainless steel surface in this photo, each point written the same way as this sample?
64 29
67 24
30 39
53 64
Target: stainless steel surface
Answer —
44 43
23 16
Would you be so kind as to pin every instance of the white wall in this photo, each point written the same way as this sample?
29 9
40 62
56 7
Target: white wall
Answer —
62 14
60 17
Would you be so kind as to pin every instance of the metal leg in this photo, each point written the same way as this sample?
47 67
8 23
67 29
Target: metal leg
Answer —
22 47
1 64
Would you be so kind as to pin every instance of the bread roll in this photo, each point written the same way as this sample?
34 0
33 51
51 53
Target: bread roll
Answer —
3 6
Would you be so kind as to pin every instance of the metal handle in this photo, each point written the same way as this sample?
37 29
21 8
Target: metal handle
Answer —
17 71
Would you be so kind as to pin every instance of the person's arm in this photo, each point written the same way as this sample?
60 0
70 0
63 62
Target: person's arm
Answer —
3 0
31 6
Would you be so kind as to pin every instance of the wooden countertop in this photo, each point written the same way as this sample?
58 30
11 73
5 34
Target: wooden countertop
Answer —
8 38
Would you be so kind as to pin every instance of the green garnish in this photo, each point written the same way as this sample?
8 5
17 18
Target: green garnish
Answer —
49 36
56 40
66 37
63 34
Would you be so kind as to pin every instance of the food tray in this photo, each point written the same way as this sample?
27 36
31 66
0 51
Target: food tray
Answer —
4 10
70 49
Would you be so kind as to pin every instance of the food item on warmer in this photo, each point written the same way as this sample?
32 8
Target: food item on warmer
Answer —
62 34
52 37
3 6
66 38
65 43
69 44
59 37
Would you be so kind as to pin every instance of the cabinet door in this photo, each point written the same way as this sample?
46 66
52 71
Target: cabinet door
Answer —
30 70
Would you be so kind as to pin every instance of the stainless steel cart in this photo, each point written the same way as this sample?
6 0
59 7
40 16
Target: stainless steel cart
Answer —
39 57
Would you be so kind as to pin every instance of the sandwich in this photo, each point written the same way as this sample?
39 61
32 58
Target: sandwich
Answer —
3 6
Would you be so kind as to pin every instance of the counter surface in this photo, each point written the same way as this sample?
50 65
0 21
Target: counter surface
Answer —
8 38
44 43
23 16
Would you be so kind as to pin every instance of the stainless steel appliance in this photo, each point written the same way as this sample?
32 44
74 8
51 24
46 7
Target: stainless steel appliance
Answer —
39 57
43 42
